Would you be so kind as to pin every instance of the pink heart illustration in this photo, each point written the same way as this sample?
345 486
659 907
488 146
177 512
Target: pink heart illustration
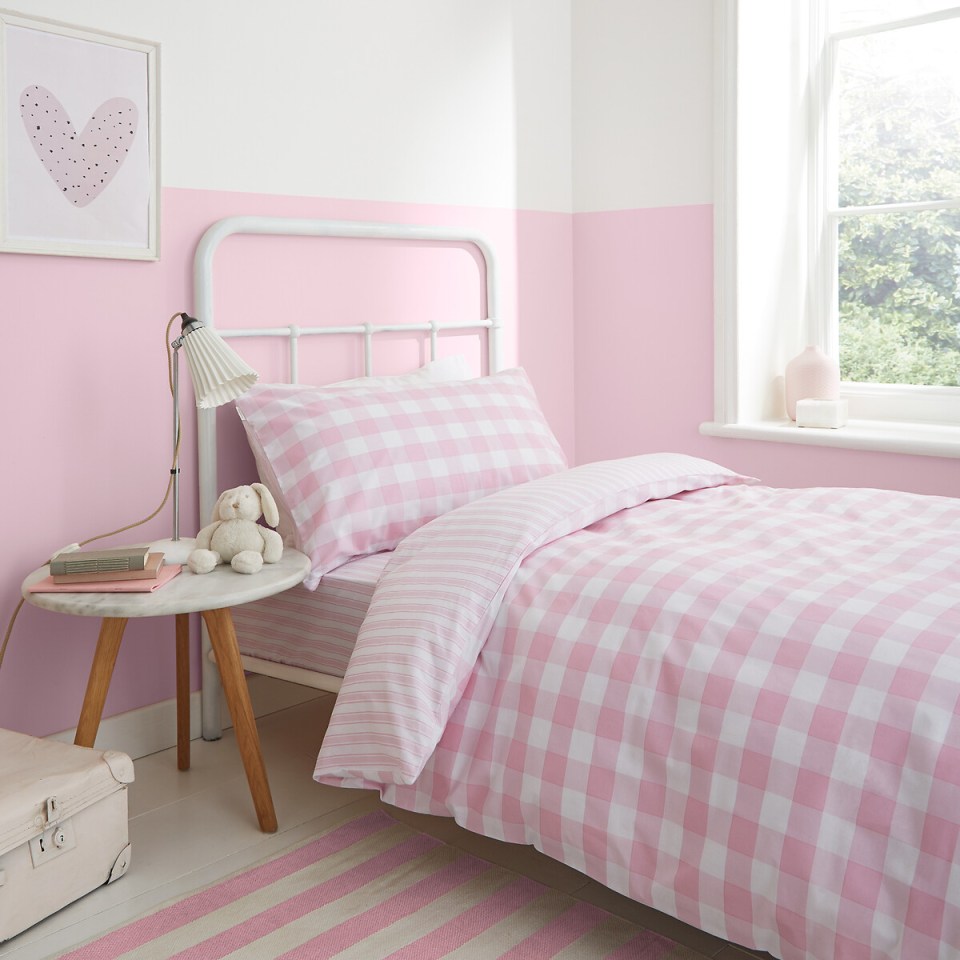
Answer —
81 165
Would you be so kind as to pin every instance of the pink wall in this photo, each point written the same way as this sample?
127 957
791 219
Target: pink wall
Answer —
88 413
643 302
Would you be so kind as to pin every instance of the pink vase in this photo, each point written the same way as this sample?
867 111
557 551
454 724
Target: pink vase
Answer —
811 375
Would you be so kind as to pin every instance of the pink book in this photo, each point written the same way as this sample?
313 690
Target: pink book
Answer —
167 573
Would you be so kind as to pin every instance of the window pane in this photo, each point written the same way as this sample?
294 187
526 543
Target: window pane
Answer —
852 14
899 115
899 291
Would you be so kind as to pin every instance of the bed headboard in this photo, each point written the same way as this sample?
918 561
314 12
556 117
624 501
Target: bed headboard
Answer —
487 326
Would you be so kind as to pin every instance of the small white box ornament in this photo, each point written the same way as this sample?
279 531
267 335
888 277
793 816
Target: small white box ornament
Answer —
822 413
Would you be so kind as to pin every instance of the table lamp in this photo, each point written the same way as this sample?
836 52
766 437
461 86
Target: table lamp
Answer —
218 376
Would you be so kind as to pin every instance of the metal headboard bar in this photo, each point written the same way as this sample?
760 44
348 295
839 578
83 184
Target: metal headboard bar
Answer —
204 310
293 333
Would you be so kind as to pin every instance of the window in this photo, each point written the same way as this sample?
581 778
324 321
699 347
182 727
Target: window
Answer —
838 215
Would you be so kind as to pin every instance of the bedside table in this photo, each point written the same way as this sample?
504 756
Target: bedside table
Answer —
211 595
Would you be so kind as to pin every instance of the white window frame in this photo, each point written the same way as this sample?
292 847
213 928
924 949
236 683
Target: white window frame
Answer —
776 292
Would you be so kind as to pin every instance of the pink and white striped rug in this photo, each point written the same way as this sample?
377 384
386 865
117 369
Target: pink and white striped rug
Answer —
372 889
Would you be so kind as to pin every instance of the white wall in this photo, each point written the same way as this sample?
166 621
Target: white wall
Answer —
551 105
642 103
463 102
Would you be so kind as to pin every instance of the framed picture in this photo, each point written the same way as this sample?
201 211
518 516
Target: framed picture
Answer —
79 141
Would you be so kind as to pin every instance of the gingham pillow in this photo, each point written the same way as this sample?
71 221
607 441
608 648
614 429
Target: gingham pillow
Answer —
445 369
361 470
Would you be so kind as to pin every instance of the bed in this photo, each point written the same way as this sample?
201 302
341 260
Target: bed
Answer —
735 703
485 327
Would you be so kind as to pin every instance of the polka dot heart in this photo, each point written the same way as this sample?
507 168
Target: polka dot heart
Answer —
80 164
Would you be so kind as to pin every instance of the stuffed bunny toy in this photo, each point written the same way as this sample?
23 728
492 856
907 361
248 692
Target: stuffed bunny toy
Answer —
235 537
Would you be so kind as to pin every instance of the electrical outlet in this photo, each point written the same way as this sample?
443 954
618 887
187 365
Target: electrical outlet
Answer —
52 843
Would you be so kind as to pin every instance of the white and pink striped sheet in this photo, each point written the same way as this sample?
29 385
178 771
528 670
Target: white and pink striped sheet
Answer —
739 705
312 629
361 469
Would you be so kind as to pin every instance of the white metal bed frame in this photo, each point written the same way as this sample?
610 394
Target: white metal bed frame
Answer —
490 325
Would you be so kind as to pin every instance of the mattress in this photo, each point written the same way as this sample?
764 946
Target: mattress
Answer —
314 629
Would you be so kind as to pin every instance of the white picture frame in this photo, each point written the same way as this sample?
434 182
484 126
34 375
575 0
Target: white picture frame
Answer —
79 141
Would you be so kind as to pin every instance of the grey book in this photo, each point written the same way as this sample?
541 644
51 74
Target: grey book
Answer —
110 560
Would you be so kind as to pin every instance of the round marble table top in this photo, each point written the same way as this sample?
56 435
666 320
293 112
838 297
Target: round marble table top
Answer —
185 593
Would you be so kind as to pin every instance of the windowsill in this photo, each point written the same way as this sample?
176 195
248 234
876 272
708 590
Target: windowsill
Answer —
922 439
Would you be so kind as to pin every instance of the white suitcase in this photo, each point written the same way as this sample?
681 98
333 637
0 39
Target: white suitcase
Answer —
63 825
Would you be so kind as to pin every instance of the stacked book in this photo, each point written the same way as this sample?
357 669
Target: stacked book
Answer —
99 566
117 569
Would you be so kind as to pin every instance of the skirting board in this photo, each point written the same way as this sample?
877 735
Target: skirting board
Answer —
151 729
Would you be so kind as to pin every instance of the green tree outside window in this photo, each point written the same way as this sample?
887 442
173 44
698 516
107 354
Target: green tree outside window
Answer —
899 272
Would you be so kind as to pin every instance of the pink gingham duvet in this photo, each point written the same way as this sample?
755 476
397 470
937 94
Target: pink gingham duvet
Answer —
735 703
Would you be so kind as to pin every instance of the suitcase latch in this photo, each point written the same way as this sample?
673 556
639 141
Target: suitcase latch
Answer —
55 839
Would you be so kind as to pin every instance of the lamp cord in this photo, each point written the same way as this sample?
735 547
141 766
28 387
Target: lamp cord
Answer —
129 526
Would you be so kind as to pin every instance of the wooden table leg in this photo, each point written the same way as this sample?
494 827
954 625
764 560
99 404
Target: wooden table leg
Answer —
183 691
101 672
223 639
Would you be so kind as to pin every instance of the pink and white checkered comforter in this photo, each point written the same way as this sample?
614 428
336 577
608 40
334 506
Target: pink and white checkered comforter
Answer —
735 703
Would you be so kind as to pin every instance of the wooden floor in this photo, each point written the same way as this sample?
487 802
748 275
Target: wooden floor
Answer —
191 828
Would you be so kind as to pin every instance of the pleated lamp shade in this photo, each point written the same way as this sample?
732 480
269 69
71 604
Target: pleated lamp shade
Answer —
218 374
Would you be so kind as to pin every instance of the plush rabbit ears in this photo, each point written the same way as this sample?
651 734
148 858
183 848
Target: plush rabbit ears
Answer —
215 513
270 512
